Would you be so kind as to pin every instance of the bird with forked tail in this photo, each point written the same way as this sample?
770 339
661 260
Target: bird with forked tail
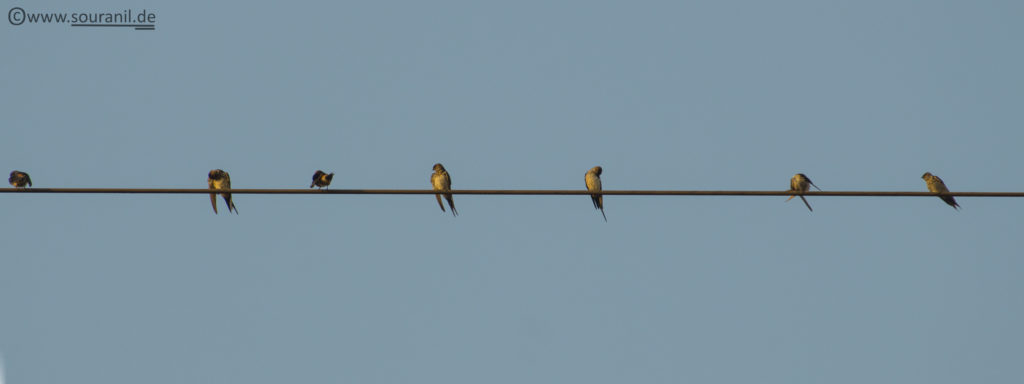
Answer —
593 181
442 181
218 179
800 183
936 185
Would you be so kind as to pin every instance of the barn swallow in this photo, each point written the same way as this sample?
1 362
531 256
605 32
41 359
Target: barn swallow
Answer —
19 179
593 180
321 179
443 182
219 179
936 185
800 183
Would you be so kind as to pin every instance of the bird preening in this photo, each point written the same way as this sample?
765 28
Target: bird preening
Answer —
593 182
321 179
442 181
218 179
19 179
800 183
936 185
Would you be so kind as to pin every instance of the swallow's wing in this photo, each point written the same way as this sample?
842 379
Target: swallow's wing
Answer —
213 196
448 186
593 183
435 183
812 183
230 203
451 203
227 196
316 178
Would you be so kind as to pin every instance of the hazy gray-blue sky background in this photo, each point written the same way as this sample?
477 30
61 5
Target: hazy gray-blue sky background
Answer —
864 95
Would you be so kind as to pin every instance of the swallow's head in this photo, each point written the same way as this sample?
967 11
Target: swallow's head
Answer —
317 174
329 177
926 175
216 174
596 170
438 168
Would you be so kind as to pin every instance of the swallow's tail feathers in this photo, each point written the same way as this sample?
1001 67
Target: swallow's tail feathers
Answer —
807 204
230 203
213 201
451 204
598 201
951 201
439 202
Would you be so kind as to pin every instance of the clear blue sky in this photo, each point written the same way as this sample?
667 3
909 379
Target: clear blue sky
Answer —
863 95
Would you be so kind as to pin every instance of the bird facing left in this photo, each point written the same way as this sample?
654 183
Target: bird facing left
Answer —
218 179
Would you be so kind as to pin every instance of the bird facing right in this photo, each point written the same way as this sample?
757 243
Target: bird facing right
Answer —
936 185
593 181
19 179
218 179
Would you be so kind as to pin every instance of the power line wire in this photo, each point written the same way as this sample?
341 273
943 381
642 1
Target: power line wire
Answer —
550 192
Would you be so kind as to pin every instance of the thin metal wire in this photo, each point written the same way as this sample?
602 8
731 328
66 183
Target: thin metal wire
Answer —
555 192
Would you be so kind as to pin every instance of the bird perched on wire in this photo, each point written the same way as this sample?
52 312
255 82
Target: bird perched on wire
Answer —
19 179
593 180
936 185
321 179
442 181
800 183
219 179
